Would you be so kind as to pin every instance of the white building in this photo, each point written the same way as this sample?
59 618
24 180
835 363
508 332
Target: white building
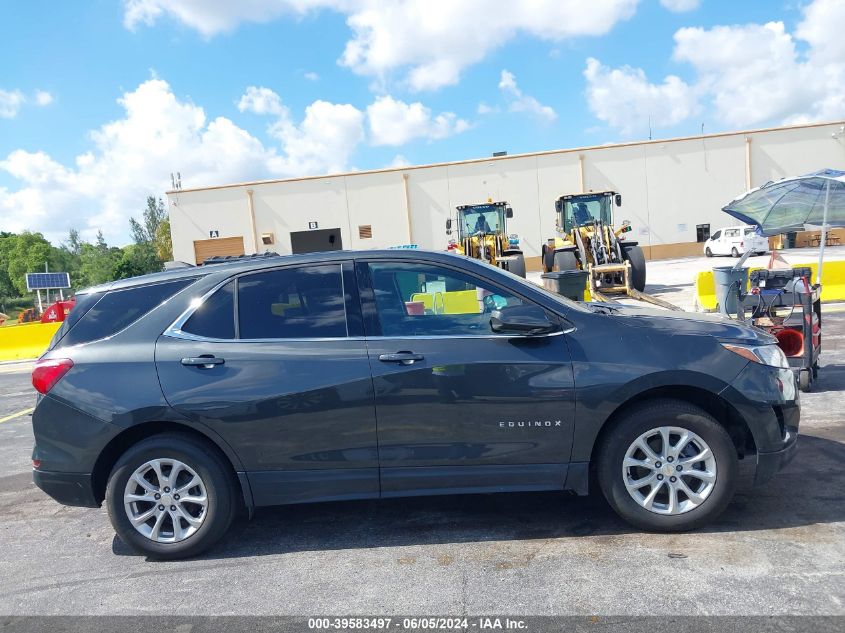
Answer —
669 188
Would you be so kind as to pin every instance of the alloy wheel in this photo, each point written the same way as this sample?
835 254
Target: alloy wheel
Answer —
165 500
669 470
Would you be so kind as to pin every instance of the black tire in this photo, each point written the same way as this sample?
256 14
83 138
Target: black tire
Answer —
708 252
220 488
565 260
734 252
634 254
517 266
805 380
548 259
650 415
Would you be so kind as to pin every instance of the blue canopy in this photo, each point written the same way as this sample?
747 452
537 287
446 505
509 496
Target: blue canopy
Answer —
814 201
793 204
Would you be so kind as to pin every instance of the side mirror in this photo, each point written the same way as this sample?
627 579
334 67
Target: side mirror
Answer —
508 212
618 199
524 320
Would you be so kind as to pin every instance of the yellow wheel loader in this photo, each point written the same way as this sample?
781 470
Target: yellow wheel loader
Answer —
587 241
482 234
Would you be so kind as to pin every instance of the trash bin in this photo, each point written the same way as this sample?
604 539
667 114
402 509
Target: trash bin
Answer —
569 283
729 283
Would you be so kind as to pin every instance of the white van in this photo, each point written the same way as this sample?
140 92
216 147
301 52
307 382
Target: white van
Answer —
735 240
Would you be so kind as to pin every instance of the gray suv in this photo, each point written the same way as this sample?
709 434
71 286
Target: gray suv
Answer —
185 397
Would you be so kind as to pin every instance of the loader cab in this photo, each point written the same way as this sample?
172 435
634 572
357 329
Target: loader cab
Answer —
583 209
487 219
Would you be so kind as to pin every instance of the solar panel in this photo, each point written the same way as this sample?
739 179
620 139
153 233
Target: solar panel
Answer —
42 281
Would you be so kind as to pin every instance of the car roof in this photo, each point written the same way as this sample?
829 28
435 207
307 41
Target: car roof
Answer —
248 263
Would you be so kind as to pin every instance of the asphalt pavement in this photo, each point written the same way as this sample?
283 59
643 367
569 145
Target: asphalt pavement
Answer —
779 549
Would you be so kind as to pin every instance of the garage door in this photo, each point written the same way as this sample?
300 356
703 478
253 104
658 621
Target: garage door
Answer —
221 246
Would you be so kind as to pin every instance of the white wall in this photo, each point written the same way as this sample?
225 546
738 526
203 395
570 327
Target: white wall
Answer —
667 186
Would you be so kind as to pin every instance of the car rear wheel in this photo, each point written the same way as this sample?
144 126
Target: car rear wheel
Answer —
734 252
667 466
170 497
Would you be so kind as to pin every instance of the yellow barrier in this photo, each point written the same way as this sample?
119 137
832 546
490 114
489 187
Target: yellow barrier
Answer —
22 342
833 283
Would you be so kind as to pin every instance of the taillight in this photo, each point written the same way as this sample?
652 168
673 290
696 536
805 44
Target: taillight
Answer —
48 372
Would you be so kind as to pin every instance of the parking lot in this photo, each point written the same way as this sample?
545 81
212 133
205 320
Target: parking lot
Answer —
779 549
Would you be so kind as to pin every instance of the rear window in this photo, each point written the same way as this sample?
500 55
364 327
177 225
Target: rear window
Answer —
84 302
215 318
119 309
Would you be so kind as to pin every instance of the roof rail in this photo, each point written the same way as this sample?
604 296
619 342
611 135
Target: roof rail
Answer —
224 259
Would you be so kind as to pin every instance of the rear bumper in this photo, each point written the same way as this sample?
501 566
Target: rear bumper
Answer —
72 489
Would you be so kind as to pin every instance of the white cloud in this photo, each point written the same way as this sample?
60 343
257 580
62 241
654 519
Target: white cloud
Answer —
311 76
747 74
43 98
399 161
680 6
626 100
519 102
429 42
132 157
323 142
758 73
260 100
483 109
394 122
11 101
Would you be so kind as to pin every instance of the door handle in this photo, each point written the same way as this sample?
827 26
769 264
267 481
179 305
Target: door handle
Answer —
405 358
206 361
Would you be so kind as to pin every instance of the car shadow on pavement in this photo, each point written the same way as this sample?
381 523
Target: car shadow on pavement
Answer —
792 499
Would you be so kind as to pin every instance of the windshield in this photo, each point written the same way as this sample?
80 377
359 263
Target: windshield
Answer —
483 219
582 210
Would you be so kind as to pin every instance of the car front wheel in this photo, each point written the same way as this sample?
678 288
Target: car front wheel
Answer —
667 466
170 497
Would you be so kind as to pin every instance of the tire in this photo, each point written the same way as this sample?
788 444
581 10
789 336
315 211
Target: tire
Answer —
634 254
734 252
688 514
708 252
216 479
517 266
548 259
805 380
565 260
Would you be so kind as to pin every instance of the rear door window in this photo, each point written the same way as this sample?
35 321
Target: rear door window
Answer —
291 303
119 309
215 318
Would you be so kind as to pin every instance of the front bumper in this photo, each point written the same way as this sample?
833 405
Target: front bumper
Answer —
769 464
71 489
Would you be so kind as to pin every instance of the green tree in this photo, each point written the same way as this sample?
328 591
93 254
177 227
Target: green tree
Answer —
29 255
97 262
149 251
137 259
164 241
7 243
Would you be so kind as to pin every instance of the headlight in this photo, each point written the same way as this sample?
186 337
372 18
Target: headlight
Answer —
770 355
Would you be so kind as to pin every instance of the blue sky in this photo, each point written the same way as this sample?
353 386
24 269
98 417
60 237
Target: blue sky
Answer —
228 91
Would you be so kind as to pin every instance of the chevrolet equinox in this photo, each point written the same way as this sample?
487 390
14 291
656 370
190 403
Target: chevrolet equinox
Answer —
185 397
